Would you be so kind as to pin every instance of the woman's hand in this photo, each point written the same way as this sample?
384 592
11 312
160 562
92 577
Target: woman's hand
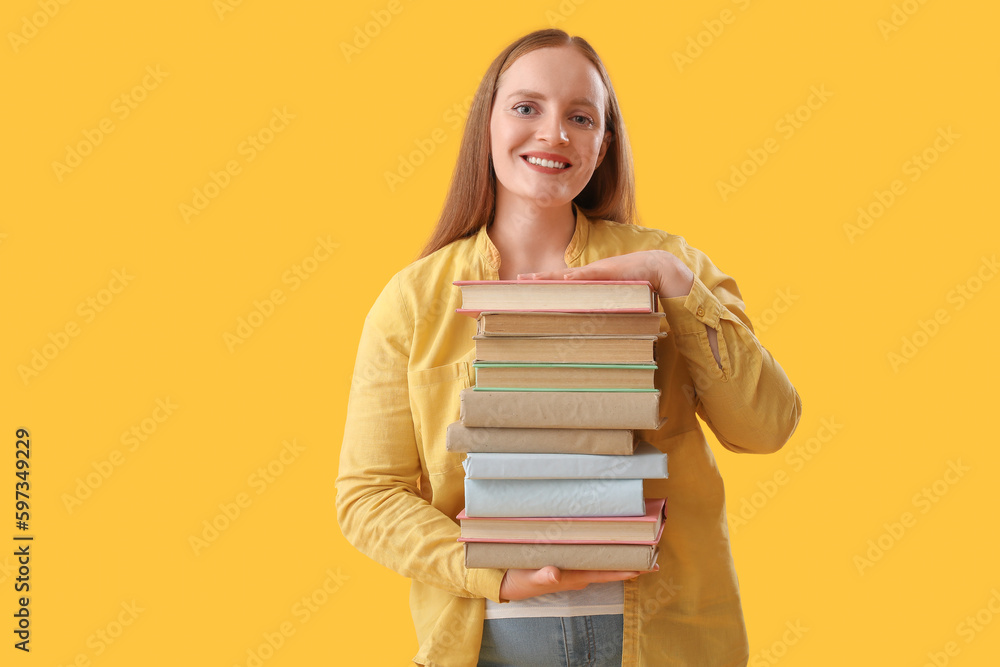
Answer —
521 584
668 275
664 271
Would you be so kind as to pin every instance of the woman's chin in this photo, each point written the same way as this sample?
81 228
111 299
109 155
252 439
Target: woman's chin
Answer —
545 199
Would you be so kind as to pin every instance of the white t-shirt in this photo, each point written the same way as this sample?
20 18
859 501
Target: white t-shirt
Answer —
603 598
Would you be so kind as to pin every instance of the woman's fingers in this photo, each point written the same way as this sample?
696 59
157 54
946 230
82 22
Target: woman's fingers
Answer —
543 275
632 266
666 273
599 576
609 268
521 584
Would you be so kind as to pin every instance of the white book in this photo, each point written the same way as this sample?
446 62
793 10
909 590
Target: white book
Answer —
554 497
647 462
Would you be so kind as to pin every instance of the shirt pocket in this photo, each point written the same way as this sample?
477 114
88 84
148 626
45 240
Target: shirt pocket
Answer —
435 403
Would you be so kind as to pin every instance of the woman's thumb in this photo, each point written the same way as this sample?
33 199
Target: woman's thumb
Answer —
550 574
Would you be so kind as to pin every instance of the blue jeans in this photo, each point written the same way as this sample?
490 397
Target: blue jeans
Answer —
578 641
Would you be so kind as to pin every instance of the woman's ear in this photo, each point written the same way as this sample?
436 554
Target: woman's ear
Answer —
608 137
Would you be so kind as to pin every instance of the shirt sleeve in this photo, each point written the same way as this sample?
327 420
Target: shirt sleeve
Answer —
379 506
749 403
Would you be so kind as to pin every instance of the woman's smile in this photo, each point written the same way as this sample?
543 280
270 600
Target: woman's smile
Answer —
547 163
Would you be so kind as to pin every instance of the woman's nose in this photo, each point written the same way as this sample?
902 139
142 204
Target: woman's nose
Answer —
553 130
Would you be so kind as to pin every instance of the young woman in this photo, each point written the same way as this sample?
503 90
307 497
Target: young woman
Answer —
543 189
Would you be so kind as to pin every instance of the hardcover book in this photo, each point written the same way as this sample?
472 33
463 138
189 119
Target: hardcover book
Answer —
647 462
461 438
567 349
492 375
644 528
554 497
638 557
616 296
569 324
561 409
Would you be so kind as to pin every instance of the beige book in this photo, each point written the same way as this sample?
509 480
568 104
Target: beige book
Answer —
507 375
568 349
461 438
617 296
561 409
639 557
569 324
644 528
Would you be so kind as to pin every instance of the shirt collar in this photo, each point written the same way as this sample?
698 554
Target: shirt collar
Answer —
574 250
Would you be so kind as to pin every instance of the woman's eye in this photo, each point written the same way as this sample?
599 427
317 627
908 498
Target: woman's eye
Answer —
523 109
583 120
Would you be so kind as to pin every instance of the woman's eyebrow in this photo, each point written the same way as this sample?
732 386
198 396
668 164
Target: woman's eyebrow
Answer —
524 92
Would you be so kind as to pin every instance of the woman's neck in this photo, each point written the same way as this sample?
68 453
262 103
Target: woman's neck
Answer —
530 238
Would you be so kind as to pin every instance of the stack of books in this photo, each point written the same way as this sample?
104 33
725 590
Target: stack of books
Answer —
564 376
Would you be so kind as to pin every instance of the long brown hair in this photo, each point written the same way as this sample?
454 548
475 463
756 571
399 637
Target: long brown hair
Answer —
471 200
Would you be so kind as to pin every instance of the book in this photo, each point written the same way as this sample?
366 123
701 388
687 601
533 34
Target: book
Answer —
552 529
613 296
647 462
514 323
554 497
560 409
461 438
492 375
638 557
567 349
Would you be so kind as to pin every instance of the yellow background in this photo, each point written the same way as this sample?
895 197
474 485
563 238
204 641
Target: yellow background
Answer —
831 310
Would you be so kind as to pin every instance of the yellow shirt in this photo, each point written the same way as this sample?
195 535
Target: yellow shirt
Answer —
398 489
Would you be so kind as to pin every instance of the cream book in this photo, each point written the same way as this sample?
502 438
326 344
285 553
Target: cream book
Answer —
554 529
462 438
565 556
561 409
567 349
516 323
508 375
614 296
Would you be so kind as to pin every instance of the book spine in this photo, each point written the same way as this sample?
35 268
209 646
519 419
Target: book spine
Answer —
560 409
461 438
554 497
563 556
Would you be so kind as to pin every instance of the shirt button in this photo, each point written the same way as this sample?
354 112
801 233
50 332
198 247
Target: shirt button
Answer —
700 312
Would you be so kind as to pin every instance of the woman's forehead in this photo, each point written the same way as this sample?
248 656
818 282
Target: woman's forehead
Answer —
557 72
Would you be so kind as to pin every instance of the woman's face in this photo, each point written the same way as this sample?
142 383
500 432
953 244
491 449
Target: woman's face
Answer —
547 131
